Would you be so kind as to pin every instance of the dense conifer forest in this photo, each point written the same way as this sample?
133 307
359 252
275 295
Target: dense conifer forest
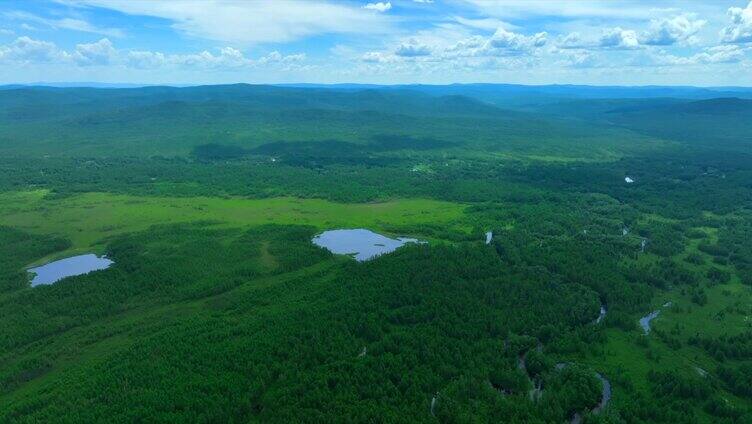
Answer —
218 308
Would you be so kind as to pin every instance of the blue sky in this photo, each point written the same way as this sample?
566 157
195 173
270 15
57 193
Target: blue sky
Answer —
700 42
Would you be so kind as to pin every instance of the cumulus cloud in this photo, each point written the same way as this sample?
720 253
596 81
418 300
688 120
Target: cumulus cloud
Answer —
662 32
379 7
28 50
5 31
141 59
504 39
618 38
720 54
277 57
412 48
578 59
227 57
25 50
426 52
740 29
100 53
573 40
724 54
501 43
376 57
667 31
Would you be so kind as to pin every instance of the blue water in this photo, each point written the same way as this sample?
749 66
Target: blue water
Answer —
645 321
360 243
68 267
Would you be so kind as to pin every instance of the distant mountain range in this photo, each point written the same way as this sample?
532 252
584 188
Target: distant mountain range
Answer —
172 120
475 89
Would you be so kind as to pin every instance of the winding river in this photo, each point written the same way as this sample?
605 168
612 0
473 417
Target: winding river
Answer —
605 395
645 321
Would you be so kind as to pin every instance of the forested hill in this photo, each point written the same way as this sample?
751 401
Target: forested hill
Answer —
66 101
524 96
171 121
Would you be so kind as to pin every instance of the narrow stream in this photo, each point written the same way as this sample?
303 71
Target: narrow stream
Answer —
645 321
601 315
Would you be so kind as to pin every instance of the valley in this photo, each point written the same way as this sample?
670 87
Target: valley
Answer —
549 231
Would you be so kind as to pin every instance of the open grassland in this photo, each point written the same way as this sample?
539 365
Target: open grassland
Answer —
89 219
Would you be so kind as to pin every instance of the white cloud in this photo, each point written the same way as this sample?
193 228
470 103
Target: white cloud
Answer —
28 50
720 54
72 24
501 43
429 52
412 48
617 38
252 22
667 31
578 59
724 54
376 57
573 40
612 9
145 59
227 57
4 31
662 32
100 53
379 7
510 41
25 50
277 57
740 29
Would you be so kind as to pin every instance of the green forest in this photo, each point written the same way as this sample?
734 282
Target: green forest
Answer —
219 308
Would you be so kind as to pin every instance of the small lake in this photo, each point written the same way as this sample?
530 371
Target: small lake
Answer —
68 267
362 244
